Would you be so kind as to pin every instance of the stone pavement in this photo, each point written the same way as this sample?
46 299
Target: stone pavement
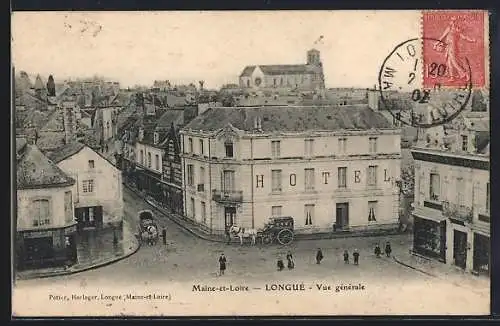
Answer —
200 232
95 248
450 273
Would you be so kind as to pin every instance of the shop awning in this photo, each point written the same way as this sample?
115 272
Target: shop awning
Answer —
429 214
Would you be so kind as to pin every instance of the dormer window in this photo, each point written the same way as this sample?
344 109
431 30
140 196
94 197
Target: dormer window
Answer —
465 143
156 137
229 148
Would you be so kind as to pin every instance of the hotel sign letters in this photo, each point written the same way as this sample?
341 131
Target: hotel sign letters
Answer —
325 178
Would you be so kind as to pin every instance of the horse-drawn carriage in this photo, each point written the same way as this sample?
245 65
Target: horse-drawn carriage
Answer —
278 229
148 229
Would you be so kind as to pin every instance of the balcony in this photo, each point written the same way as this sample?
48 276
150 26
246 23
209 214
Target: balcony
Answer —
460 214
227 196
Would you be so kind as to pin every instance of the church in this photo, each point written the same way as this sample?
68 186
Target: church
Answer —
301 77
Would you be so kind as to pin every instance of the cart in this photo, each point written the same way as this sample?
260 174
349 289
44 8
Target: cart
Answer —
278 229
148 229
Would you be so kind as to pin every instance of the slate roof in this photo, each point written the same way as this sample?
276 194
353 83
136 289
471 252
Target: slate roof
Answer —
278 70
39 83
55 122
50 140
482 140
35 170
291 118
20 143
170 117
66 151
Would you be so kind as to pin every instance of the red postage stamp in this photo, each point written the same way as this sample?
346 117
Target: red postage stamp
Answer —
454 52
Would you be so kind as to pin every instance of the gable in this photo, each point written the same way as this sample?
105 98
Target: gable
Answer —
79 162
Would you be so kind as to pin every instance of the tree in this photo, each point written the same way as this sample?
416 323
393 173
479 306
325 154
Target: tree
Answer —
202 82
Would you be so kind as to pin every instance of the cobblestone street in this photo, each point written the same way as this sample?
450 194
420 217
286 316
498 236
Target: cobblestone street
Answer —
187 260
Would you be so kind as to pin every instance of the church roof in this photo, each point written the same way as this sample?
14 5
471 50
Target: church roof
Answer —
278 70
291 118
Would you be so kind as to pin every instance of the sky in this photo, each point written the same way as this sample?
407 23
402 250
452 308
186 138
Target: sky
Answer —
140 47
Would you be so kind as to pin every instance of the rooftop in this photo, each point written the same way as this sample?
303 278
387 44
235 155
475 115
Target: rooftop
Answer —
35 170
291 118
277 69
66 151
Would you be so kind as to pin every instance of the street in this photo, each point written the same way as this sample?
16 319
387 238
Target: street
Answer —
186 261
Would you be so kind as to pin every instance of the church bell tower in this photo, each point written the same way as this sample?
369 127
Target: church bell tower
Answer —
313 58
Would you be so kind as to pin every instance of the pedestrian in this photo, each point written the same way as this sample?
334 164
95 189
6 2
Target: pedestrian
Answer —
280 264
377 250
346 257
319 256
355 255
222 264
164 236
228 236
289 258
388 249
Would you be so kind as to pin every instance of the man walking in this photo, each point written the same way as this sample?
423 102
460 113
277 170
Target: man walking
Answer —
346 257
355 255
222 264
319 256
388 249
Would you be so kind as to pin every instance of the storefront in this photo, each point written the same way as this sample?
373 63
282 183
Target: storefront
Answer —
46 248
429 237
172 198
481 259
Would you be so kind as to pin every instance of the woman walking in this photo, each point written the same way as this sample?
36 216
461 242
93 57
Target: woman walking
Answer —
289 258
222 264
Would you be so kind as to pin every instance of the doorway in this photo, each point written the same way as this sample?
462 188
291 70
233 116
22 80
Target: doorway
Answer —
460 248
230 215
39 252
342 216
481 260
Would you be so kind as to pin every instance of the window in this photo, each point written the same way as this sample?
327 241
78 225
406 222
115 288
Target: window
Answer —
190 145
309 147
276 180
372 175
203 212
372 211
229 148
190 175
149 159
309 179
465 143
276 211
202 175
202 150
373 144
275 148
155 137
228 181
487 196
88 186
91 214
342 145
342 174
68 206
157 162
309 214
141 155
41 212
193 212
91 164
434 187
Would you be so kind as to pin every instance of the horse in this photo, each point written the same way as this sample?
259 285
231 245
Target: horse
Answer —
242 232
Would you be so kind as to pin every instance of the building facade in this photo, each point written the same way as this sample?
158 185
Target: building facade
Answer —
452 201
307 77
45 223
326 167
97 192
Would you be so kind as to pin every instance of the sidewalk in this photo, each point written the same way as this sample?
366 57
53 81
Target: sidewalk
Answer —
449 273
198 231
94 249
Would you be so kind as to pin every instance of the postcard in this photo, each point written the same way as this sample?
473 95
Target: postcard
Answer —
251 163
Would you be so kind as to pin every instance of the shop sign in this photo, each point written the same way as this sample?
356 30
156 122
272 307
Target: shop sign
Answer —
38 234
